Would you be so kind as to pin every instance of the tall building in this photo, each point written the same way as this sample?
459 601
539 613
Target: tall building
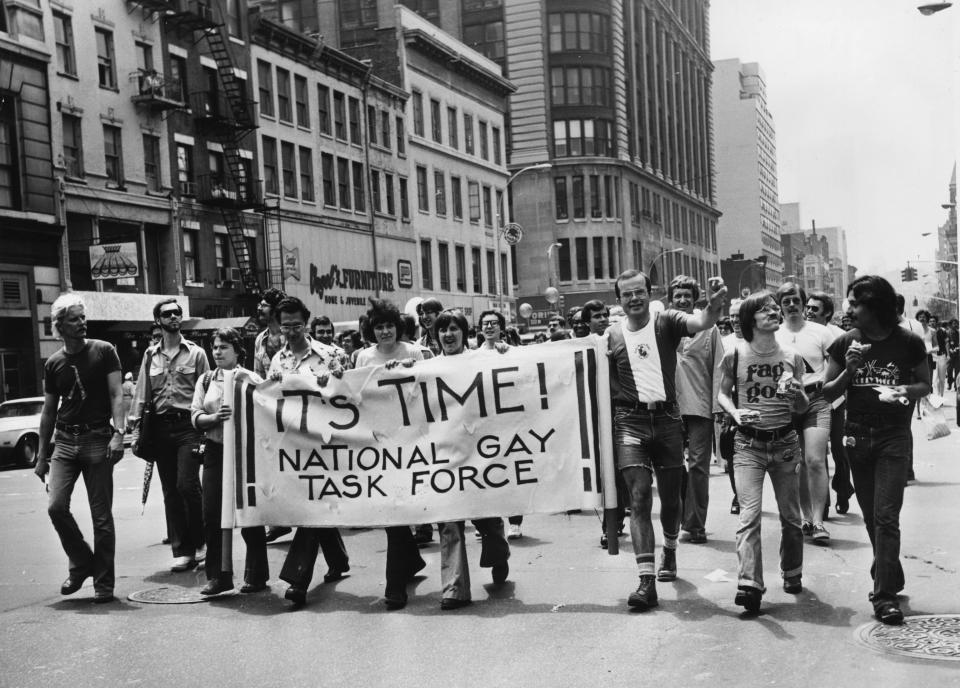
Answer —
947 244
796 248
746 160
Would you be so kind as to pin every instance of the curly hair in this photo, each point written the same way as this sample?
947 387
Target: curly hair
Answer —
381 312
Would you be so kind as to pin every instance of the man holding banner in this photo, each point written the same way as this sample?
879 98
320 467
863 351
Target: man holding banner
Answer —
304 355
648 430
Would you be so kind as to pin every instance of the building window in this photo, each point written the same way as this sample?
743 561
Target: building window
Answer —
354 120
264 87
22 18
460 260
491 272
487 207
357 14
178 77
579 31
271 181
73 146
303 101
578 198
440 192
401 134
596 206
497 153
468 133
613 254
339 116
66 59
221 251
404 199
473 198
323 101
234 20
306 174
576 137
113 154
578 85
215 166
151 161
484 145
452 139
423 195
560 194
476 267
443 253
283 96
486 38
375 191
329 179
106 60
359 198
191 261
598 257
388 188
343 182
457 194
564 270
372 124
385 129
435 127
426 263
9 155
417 99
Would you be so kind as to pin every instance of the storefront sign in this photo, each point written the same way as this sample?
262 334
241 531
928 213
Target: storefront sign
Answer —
114 261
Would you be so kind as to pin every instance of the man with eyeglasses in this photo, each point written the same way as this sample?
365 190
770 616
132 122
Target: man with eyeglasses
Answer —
648 431
820 310
302 354
811 341
173 366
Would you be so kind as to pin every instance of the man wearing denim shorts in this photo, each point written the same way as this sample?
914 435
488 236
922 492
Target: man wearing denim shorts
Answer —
811 341
648 431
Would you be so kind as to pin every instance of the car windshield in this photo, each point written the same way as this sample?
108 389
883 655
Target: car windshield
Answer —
32 408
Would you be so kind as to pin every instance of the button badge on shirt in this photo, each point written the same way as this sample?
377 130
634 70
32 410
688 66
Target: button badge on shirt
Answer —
643 350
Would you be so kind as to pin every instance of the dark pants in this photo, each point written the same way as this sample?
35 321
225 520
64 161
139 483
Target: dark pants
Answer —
841 467
256 570
307 542
403 557
725 443
85 455
179 472
879 463
696 493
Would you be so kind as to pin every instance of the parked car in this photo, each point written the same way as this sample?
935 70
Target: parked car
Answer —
20 430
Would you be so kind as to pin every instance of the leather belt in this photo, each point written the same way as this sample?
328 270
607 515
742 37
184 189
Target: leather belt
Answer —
815 387
173 416
80 428
648 406
766 435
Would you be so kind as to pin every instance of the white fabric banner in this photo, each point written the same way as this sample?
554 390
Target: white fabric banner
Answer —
474 435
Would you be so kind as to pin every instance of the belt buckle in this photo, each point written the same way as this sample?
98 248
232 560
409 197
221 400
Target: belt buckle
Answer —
74 430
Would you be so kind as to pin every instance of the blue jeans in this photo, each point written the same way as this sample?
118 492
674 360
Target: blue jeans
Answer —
86 455
879 463
752 460
699 433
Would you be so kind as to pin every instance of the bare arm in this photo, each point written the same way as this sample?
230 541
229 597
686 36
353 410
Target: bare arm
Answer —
115 389
48 417
707 318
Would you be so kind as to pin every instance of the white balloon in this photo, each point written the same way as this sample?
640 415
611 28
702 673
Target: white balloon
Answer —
411 307
551 295
525 310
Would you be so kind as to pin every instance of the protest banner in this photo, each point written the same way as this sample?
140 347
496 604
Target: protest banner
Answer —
474 435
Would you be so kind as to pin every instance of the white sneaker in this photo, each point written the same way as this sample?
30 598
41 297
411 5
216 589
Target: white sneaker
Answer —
201 554
514 532
181 564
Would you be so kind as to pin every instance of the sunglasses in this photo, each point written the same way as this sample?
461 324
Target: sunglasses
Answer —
171 314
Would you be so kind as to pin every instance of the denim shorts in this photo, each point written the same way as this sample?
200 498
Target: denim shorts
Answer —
817 414
648 440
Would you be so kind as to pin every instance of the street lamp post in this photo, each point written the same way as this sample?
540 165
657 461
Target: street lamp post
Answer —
515 236
660 255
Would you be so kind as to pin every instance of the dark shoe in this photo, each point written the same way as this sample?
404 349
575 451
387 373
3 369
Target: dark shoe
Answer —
500 573
843 504
277 532
73 583
735 507
335 574
395 599
806 528
217 586
697 537
645 596
792 585
603 541
297 595
668 565
888 612
103 596
424 535
748 598
165 541
416 568
448 604
248 588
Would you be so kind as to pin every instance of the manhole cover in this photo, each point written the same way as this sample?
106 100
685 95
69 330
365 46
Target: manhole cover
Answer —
167 595
933 636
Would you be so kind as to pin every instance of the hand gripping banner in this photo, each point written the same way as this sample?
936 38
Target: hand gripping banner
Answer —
468 436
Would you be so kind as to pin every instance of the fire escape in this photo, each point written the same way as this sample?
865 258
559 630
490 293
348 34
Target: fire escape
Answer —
225 116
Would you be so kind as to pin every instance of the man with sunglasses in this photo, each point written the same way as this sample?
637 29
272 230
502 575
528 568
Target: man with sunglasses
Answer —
648 431
173 366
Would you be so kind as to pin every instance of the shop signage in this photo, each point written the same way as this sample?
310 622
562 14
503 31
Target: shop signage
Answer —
114 261
337 278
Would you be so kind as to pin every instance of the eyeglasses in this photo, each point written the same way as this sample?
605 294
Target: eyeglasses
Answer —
171 314
633 293
813 307
291 328
789 299
770 308
489 323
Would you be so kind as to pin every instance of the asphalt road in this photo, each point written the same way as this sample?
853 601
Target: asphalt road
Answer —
561 619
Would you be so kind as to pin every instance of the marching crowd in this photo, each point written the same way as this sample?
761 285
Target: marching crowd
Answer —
770 387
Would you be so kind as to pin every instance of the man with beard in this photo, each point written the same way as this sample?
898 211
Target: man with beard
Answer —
697 385
819 309
648 430
85 376
173 367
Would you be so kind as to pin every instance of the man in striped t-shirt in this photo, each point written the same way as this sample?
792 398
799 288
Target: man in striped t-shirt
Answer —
648 430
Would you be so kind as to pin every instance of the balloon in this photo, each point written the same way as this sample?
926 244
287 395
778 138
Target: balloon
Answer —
525 310
411 307
551 294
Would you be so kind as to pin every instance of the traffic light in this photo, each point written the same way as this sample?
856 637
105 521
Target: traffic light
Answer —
913 274
908 274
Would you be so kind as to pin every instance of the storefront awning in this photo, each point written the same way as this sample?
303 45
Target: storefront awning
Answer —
244 324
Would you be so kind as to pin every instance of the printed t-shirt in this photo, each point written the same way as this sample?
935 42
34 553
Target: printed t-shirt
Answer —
645 361
758 376
812 343
889 362
80 380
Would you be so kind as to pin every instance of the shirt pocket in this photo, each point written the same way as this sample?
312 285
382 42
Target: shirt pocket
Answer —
186 369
